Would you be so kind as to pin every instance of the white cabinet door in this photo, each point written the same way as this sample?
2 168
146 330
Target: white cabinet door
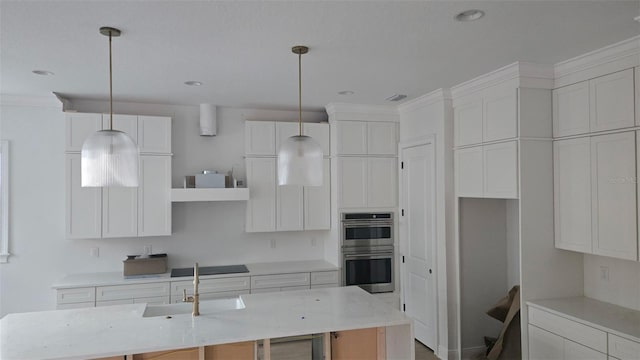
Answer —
467 121
261 179
544 345
381 182
317 202
289 208
129 292
284 130
154 196
572 194
76 295
500 163
612 101
125 123
637 72
613 169
500 118
468 172
79 127
120 212
259 138
280 280
352 137
320 133
154 134
622 348
83 205
382 138
571 110
352 179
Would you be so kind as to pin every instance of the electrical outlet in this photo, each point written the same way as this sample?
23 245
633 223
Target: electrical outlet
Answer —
313 241
94 252
147 250
273 243
604 273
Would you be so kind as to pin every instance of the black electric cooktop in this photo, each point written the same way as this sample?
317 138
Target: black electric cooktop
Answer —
210 270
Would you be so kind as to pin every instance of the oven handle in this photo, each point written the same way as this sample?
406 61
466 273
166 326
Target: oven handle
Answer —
367 224
384 255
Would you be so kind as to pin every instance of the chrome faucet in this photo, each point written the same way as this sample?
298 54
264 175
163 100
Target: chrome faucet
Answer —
195 299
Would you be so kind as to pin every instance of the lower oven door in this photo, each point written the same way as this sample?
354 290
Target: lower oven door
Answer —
372 272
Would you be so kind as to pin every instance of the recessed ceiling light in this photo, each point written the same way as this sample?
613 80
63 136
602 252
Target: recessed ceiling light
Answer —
346 92
42 72
469 15
193 83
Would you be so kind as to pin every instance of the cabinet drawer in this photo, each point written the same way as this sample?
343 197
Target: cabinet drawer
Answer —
211 285
278 289
583 334
121 292
281 280
76 295
623 349
325 277
79 305
575 351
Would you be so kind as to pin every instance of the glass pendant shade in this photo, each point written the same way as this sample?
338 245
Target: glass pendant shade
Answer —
300 162
109 158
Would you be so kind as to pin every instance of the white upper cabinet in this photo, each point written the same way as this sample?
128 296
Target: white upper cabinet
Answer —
79 127
318 131
600 104
382 138
467 121
367 138
352 137
486 116
317 202
154 134
500 118
613 169
571 110
468 172
611 101
119 212
637 72
154 196
381 182
367 182
83 204
125 123
352 182
500 170
572 188
260 138
289 208
261 206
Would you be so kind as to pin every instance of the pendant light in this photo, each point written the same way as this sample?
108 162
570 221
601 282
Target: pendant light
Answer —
300 157
109 158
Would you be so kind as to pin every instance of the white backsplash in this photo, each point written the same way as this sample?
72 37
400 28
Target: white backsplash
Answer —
622 286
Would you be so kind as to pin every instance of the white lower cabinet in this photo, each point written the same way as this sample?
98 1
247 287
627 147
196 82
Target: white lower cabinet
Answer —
133 291
544 345
76 298
623 349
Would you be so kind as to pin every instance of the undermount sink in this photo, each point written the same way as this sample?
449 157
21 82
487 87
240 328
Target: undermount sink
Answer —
206 307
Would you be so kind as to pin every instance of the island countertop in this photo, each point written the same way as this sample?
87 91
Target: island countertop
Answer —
121 329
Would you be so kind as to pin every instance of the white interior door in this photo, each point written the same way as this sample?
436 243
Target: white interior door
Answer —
418 238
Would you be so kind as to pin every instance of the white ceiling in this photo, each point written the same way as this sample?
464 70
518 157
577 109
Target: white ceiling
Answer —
241 49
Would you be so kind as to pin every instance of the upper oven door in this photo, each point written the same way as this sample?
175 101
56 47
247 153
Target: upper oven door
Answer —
367 234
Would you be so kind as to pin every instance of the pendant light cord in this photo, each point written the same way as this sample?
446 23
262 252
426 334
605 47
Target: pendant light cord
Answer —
300 92
110 87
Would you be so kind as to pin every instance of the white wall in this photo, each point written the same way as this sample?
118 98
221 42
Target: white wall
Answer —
622 286
210 233
431 115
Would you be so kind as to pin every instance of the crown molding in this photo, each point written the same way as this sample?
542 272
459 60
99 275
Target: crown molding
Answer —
598 57
615 57
425 100
345 111
526 73
28 100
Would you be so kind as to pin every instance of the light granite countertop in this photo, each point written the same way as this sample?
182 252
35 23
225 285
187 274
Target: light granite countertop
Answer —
121 329
116 278
614 319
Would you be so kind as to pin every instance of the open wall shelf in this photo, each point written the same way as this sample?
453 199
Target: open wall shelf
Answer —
190 195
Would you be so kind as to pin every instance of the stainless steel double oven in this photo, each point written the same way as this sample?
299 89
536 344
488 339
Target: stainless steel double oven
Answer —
367 251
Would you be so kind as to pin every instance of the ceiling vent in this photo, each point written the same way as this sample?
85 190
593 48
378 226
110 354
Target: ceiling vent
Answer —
396 97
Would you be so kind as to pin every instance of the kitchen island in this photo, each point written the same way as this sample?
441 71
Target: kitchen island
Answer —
122 330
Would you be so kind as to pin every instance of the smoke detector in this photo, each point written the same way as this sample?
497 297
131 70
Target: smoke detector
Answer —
396 97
